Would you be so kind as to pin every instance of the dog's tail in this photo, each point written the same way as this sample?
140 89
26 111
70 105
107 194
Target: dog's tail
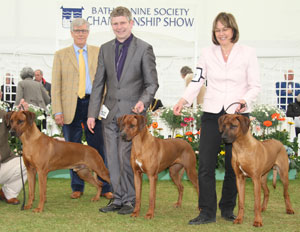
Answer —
275 171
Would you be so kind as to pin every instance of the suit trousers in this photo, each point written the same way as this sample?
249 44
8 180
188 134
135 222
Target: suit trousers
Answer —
10 177
73 133
210 141
118 153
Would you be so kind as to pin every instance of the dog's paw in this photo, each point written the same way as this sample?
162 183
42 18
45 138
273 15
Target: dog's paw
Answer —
238 221
149 216
135 214
95 199
177 205
37 210
26 207
290 211
257 223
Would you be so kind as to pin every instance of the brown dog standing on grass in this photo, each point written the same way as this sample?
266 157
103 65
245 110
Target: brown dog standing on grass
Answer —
152 155
43 154
253 158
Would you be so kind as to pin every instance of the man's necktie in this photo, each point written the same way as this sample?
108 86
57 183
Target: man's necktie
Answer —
120 53
81 89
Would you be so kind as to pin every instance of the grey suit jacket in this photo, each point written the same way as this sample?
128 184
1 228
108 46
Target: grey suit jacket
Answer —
138 81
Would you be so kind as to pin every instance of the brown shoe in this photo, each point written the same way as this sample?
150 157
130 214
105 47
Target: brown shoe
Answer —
107 195
13 201
76 194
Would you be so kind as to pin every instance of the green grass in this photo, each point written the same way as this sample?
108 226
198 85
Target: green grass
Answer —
64 214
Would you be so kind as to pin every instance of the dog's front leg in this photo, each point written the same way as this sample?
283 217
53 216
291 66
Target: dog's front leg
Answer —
138 193
257 207
152 196
31 175
42 176
240 183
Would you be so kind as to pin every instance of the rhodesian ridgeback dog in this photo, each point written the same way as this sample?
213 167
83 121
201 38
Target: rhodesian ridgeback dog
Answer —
42 154
152 155
254 159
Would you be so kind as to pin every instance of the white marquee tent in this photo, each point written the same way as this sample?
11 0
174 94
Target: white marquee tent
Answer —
33 30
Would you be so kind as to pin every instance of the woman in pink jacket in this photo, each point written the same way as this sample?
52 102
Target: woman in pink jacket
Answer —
232 74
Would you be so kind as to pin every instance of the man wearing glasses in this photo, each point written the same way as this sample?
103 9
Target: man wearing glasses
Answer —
73 73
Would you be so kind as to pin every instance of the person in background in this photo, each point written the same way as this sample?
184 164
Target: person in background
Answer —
73 72
232 75
8 90
31 91
10 170
187 74
126 66
39 77
287 90
293 111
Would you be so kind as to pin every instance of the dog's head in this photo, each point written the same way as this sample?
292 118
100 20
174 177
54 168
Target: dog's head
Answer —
130 125
19 121
233 126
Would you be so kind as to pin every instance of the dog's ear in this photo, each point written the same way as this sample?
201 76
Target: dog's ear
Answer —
244 122
142 121
30 116
120 121
220 122
7 118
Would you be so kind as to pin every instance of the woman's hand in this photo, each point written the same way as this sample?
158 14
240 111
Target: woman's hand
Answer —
242 107
178 107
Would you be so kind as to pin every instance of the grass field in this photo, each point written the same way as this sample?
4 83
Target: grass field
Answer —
64 214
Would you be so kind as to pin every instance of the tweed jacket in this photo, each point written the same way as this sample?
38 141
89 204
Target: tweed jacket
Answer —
138 81
65 80
33 93
5 152
227 82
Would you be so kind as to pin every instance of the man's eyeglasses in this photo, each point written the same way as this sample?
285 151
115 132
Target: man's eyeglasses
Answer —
80 31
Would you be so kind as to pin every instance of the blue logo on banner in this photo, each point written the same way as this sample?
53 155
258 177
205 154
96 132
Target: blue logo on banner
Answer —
68 14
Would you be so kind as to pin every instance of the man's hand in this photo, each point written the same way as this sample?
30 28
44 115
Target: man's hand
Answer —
139 107
91 124
59 119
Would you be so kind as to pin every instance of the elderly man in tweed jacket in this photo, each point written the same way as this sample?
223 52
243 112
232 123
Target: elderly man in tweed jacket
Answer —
69 109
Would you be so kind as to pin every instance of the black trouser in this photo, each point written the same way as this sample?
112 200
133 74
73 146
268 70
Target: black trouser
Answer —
210 141
297 129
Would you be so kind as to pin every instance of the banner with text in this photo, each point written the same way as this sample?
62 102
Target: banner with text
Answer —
155 21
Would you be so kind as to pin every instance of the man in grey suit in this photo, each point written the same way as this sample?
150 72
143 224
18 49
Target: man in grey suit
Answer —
126 66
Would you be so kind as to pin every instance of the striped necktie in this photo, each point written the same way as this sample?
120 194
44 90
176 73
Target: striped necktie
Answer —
81 88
